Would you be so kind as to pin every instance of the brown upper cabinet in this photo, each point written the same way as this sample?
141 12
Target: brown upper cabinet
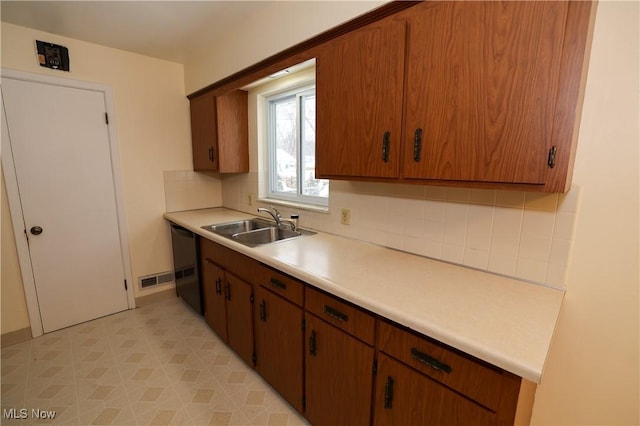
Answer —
480 94
359 80
219 132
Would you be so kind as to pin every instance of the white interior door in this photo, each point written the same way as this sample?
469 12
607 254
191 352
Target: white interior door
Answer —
61 153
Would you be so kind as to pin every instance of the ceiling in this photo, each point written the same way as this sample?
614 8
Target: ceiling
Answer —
161 29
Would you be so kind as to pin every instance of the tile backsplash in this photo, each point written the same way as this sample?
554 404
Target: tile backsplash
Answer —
524 235
189 190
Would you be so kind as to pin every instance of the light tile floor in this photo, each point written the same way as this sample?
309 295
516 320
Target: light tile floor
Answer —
160 364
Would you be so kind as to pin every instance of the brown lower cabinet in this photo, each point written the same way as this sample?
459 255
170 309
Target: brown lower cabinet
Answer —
228 298
406 397
344 365
339 376
279 346
215 306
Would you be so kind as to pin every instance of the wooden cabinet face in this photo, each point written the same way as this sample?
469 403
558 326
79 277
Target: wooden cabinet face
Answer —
214 299
359 80
220 133
406 397
239 316
339 376
233 132
204 133
481 90
228 308
279 349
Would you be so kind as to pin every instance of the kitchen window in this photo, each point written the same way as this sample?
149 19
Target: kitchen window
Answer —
291 145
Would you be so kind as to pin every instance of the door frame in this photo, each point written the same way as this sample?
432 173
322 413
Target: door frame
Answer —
15 205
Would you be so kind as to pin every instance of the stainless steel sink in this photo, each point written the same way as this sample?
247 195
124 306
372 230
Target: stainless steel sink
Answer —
265 236
255 232
229 228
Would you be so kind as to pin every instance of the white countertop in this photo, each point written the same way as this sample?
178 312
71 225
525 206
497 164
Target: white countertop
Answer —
503 321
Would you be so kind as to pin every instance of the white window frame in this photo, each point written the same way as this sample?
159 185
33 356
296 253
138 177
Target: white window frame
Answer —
295 198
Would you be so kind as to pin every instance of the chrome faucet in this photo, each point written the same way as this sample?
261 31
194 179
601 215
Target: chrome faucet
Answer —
275 214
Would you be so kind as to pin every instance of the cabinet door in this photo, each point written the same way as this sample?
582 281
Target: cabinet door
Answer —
204 133
232 155
279 350
239 316
214 300
406 397
339 376
359 79
481 90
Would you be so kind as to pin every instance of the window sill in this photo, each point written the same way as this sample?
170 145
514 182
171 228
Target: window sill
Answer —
290 204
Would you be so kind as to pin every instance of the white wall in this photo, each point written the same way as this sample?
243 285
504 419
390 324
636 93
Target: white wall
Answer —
592 372
153 130
593 369
276 26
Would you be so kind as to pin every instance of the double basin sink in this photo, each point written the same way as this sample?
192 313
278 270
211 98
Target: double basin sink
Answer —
255 232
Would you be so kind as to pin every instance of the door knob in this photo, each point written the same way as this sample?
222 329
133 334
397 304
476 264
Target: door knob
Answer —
36 230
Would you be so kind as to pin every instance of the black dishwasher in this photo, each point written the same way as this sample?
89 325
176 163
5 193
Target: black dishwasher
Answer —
186 266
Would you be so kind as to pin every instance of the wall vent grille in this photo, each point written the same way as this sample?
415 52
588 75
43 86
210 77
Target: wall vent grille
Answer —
155 279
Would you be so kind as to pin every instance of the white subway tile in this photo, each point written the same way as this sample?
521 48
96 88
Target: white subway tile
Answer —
479 227
414 227
564 226
475 258
513 199
414 209
394 240
411 191
412 244
458 195
557 276
436 193
433 231
560 251
434 210
531 270
455 223
504 264
505 238
453 253
483 196
539 223
540 201
535 248
432 249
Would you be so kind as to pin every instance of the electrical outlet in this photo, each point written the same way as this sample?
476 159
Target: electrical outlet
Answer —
250 199
345 218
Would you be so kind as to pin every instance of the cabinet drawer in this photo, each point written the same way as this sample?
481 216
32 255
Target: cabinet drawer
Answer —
238 264
476 379
287 287
343 315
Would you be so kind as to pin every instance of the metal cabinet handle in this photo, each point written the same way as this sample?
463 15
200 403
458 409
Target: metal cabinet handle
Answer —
551 159
334 313
227 290
430 361
278 284
263 311
417 145
386 142
388 393
312 343
219 286
211 153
